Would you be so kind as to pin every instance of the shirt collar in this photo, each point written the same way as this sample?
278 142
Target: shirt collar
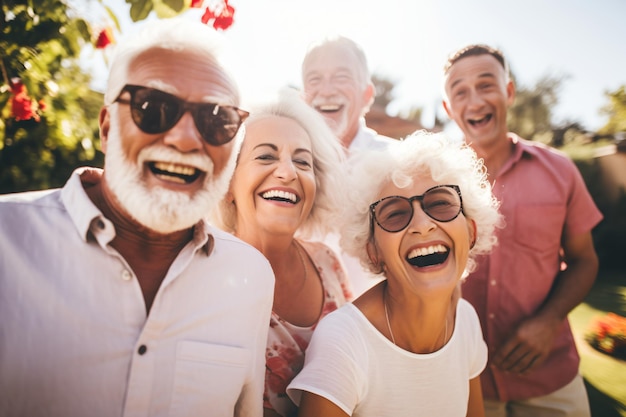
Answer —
91 223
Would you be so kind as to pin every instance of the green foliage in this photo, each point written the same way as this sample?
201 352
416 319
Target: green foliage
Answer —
384 91
616 110
531 114
40 44
140 9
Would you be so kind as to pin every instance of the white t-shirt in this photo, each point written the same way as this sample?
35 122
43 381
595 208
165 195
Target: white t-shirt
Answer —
352 364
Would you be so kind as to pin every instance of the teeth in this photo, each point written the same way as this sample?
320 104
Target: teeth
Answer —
175 169
329 107
485 118
426 251
279 194
171 178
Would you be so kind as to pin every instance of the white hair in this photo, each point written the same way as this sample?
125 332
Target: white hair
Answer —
175 34
349 47
420 154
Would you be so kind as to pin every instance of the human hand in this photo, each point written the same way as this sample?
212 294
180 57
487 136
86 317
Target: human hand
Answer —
528 346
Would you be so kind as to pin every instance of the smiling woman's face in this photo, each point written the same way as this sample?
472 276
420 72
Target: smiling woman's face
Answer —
274 183
427 254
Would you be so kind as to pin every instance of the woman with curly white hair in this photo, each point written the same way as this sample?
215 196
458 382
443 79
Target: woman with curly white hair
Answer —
284 190
418 213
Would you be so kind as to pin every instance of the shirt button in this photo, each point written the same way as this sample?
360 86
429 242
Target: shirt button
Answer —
493 282
126 275
491 315
142 349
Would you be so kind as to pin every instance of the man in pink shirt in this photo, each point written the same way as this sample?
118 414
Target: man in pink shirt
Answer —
545 262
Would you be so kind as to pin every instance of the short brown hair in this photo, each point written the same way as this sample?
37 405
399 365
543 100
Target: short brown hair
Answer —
475 50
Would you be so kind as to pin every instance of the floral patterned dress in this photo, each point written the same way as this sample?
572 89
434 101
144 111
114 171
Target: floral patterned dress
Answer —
286 343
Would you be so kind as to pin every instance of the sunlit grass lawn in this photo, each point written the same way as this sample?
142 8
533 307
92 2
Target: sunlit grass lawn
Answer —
604 375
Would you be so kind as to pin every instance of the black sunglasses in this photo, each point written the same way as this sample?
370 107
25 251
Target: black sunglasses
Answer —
394 213
155 111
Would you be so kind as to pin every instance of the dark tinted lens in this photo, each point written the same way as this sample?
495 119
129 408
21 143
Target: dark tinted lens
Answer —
155 111
442 204
394 213
217 124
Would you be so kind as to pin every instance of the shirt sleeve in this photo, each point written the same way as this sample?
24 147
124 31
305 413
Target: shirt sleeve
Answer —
582 212
333 363
478 357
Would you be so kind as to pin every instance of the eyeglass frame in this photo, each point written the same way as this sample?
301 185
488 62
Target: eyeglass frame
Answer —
420 198
184 106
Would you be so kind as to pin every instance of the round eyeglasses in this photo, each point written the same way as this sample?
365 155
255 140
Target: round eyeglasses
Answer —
442 203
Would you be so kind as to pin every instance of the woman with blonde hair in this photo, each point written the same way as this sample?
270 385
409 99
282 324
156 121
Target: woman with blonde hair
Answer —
284 190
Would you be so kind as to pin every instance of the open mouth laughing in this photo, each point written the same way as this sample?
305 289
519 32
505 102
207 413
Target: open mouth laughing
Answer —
280 195
181 174
428 256
480 122
328 108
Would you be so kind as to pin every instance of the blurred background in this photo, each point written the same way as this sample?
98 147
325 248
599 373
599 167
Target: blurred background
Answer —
567 58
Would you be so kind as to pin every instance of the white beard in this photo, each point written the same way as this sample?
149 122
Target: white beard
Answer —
157 208
339 128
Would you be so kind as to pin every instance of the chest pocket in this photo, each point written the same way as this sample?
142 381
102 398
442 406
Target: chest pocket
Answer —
208 378
538 227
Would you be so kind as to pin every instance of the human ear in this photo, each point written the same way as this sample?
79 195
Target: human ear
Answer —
372 254
510 93
104 120
369 95
472 233
446 108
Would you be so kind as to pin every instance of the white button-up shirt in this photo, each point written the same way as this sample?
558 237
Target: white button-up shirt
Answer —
75 340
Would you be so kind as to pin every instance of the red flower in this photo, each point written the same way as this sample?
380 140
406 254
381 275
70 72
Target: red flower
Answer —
105 38
222 19
21 104
608 334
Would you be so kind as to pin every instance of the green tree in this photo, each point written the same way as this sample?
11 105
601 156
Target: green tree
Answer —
531 114
39 47
384 91
616 110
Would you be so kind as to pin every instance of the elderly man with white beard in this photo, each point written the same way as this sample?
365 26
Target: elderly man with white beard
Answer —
116 297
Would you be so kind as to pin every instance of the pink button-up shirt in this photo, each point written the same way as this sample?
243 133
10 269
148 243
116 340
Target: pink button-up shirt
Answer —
543 199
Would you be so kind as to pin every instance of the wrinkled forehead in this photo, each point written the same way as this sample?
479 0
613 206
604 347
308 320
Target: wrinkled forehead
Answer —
334 57
171 70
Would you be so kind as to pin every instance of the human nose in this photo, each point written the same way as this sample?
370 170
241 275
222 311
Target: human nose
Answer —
184 135
420 222
285 170
475 99
326 87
